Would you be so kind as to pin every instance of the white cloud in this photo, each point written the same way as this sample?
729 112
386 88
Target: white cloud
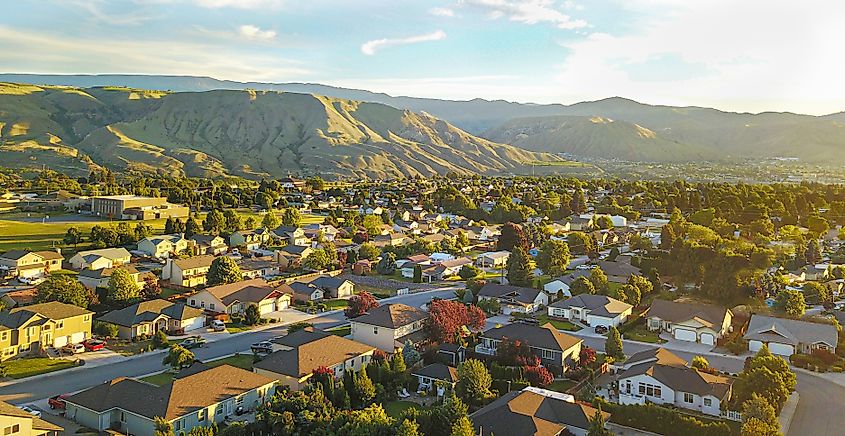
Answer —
442 12
241 4
249 31
528 12
371 47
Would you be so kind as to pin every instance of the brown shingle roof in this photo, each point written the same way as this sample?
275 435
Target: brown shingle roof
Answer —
530 413
709 315
545 336
392 316
194 262
311 350
53 310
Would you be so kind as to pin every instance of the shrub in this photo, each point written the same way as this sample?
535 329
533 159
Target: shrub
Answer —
105 329
661 420
160 340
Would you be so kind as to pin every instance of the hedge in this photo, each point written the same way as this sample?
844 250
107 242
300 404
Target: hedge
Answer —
506 372
653 418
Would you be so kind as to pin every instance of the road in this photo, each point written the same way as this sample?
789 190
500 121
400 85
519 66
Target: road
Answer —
82 378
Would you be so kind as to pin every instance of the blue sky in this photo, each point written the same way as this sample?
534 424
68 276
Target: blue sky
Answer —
751 55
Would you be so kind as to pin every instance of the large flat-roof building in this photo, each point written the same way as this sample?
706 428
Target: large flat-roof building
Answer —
136 207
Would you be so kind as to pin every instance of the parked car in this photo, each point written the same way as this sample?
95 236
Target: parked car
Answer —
32 280
218 326
57 401
600 329
263 347
94 345
33 412
73 348
193 342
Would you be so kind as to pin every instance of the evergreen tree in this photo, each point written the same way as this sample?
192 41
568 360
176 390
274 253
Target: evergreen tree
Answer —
613 344
519 268
223 270
191 227
597 425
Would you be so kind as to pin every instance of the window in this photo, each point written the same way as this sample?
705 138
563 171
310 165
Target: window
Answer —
193 302
60 325
201 415
650 390
202 304
688 397
375 330
211 306
86 318
12 429
239 400
708 402
4 335
219 410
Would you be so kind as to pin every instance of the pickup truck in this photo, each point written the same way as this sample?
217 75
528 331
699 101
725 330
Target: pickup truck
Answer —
193 342
263 347
57 402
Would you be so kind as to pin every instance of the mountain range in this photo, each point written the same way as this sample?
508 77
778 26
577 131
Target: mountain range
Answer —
612 128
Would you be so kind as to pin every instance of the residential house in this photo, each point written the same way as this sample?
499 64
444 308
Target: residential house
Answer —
563 283
389 326
309 349
452 354
98 259
690 322
292 235
592 310
259 267
99 278
493 259
150 317
19 297
658 376
334 287
618 272
187 272
164 246
296 253
209 244
32 328
362 267
444 270
304 292
514 299
327 231
394 238
786 337
234 298
488 233
29 264
556 350
534 411
14 421
429 376
250 239
200 399
578 224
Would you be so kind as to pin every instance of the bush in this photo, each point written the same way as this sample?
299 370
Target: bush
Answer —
105 329
737 346
661 420
160 340
297 326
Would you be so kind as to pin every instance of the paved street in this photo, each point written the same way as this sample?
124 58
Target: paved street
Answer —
81 378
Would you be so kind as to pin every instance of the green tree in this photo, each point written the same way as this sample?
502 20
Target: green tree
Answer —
417 273
223 270
582 285
597 425
122 287
553 257
373 225
599 280
104 329
251 315
817 292
469 271
462 427
270 220
162 427
160 340
604 222
64 289
191 227
408 427
170 226
630 294
364 388
291 217
232 221
179 357
214 222
758 408
387 264
72 236
368 251
700 363
474 382
316 260
519 268
791 302
613 344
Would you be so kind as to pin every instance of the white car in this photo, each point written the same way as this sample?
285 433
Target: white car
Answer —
74 348
33 412
218 325
32 280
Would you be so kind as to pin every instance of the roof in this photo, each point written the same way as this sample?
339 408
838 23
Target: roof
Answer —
328 282
183 396
311 349
106 272
254 291
206 239
194 262
545 336
148 311
14 254
53 310
7 409
438 371
668 370
518 293
531 413
790 331
495 254
709 315
392 316
623 269
574 275
600 305
659 355
49 255
295 249
108 253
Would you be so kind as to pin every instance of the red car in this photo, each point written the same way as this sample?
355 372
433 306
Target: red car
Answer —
94 344
57 402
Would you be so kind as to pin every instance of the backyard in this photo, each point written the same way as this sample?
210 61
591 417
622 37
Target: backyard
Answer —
394 409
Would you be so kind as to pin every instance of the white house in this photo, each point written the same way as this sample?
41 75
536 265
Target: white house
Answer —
388 327
163 246
234 298
102 258
592 310
786 337
493 259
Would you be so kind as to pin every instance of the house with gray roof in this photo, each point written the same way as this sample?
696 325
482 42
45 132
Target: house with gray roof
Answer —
592 310
704 323
786 337
149 317
389 326
556 350
514 299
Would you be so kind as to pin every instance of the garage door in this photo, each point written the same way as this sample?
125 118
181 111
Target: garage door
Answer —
60 342
196 323
685 335
77 337
266 308
707 338
598 320
754 346
781 349
282 304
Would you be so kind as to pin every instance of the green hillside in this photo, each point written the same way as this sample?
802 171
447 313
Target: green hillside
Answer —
246 133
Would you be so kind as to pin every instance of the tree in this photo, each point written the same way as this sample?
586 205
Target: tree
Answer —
474 382
223 270
251 315
447 319
667 237
105 329
317 260
817 292
232 221
142 230
604 222
72 236
512 236
519 268
270 220
410 353
170 226
580 243
291 217
179 357
768 376
629 294
462 427
469 271
587 356
160 340
700 363
360 304
191 227
122 287
214 222
387 264
538 376
613 344
489 306
553 257
162 427
64 289
599 280
582 285
151 289
643 284
368 251
597 425
373 225
362 389
791 302
417 273
758 409
408 427
514 352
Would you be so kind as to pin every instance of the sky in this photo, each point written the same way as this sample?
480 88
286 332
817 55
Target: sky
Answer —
747 55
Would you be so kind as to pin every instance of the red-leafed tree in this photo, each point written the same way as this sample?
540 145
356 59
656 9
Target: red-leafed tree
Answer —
379 356
446 319
538 376
512 236
360 304
587 356
515 353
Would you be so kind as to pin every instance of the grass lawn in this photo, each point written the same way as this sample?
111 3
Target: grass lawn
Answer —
613 286
38 236
30 366
240 360
232 327
376 291
339 303
128 348
643 334
167 292
341 331
395 408
561 385
558 324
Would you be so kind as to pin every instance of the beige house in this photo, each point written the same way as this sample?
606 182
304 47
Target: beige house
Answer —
187 272
29 264
234 298
251 239
14 421
150 317
306 350
164 246
98 259
36 327
206 244
690 322
557 351
99 278
388 327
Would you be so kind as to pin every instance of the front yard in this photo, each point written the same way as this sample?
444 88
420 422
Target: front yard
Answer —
236 327
341 331
128 348
642 334
30 366
244 361
558 324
